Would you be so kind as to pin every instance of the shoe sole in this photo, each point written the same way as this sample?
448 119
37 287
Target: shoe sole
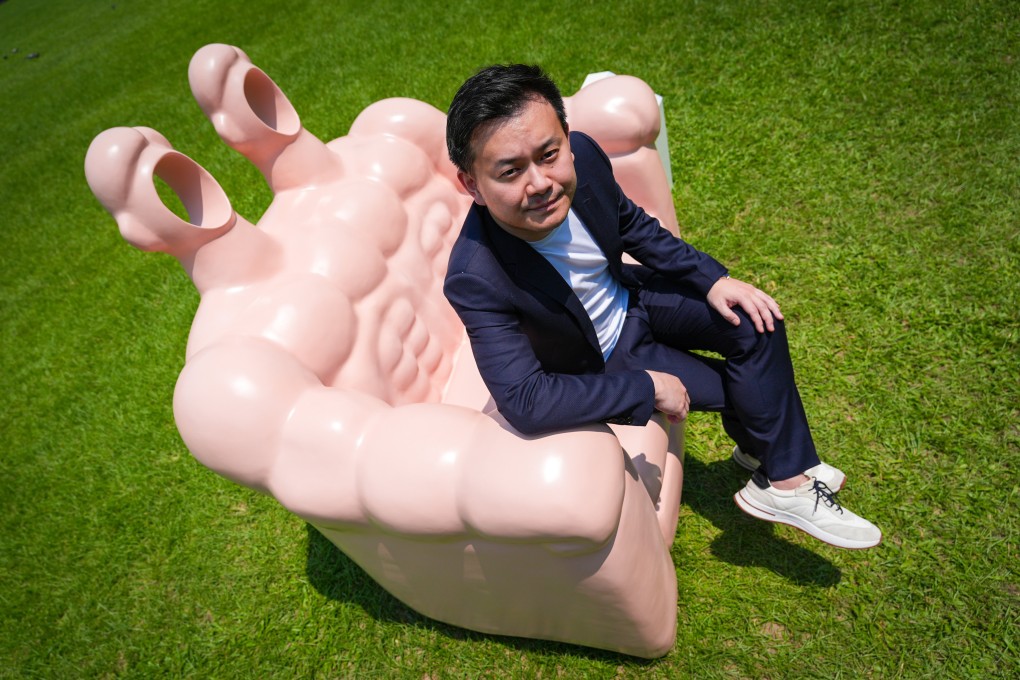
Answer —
752 468
796 521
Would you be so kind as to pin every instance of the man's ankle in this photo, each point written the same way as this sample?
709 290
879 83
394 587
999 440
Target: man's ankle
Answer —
791 483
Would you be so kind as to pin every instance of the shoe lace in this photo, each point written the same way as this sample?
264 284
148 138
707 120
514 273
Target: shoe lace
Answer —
826 495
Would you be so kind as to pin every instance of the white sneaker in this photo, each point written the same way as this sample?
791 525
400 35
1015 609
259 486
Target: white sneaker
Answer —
811 507
823 472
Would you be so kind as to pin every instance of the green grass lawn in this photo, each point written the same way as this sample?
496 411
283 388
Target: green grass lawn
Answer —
860 160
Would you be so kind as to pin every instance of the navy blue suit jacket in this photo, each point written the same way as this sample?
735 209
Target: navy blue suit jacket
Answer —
534 344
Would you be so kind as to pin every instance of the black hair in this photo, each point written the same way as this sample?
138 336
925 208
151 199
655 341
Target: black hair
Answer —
493 93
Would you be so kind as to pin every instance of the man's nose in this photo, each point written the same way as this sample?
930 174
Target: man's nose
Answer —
538 181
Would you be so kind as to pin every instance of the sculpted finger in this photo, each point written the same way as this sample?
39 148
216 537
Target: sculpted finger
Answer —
254 117
122 165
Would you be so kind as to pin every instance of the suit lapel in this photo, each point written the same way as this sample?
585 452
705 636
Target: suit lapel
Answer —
532 271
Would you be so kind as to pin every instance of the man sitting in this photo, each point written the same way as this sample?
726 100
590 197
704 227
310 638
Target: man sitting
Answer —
564 333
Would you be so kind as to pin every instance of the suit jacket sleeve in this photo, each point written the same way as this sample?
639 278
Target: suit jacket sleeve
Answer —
532 399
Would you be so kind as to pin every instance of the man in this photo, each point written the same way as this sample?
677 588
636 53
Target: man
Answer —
564 333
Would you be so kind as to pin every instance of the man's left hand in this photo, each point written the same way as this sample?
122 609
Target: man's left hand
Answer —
728 293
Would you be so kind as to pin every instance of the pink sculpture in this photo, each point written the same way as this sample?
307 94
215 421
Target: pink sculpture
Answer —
324 366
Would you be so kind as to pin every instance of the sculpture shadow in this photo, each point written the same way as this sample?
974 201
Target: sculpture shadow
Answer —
339 578
745 541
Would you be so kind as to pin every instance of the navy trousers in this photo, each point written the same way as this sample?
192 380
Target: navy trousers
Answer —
752 386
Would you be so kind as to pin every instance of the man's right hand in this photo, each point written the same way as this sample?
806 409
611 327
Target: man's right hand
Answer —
670 396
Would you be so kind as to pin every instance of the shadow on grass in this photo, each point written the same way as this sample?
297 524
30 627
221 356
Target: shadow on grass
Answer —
745 541
337 577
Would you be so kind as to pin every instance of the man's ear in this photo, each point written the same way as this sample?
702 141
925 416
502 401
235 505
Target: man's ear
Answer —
470 186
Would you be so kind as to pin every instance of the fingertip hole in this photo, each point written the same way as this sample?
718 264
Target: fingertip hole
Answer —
269 103
189 192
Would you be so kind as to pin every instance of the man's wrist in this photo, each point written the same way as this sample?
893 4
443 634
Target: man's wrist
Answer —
718 280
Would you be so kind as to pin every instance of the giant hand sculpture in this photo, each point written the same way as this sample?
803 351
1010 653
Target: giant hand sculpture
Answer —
324 366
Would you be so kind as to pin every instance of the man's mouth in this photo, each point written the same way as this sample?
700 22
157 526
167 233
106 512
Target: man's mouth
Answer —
545 207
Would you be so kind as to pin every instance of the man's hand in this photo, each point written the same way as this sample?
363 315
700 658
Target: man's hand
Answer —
670 396
728 293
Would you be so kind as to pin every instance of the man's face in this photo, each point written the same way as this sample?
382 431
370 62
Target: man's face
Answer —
523 171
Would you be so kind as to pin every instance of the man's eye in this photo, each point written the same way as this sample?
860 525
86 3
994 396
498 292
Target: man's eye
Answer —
550 154
510 172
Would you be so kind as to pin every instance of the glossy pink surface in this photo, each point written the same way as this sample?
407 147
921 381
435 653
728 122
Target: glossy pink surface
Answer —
325 367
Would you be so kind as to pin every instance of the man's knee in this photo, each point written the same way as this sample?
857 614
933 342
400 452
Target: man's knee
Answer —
747 340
